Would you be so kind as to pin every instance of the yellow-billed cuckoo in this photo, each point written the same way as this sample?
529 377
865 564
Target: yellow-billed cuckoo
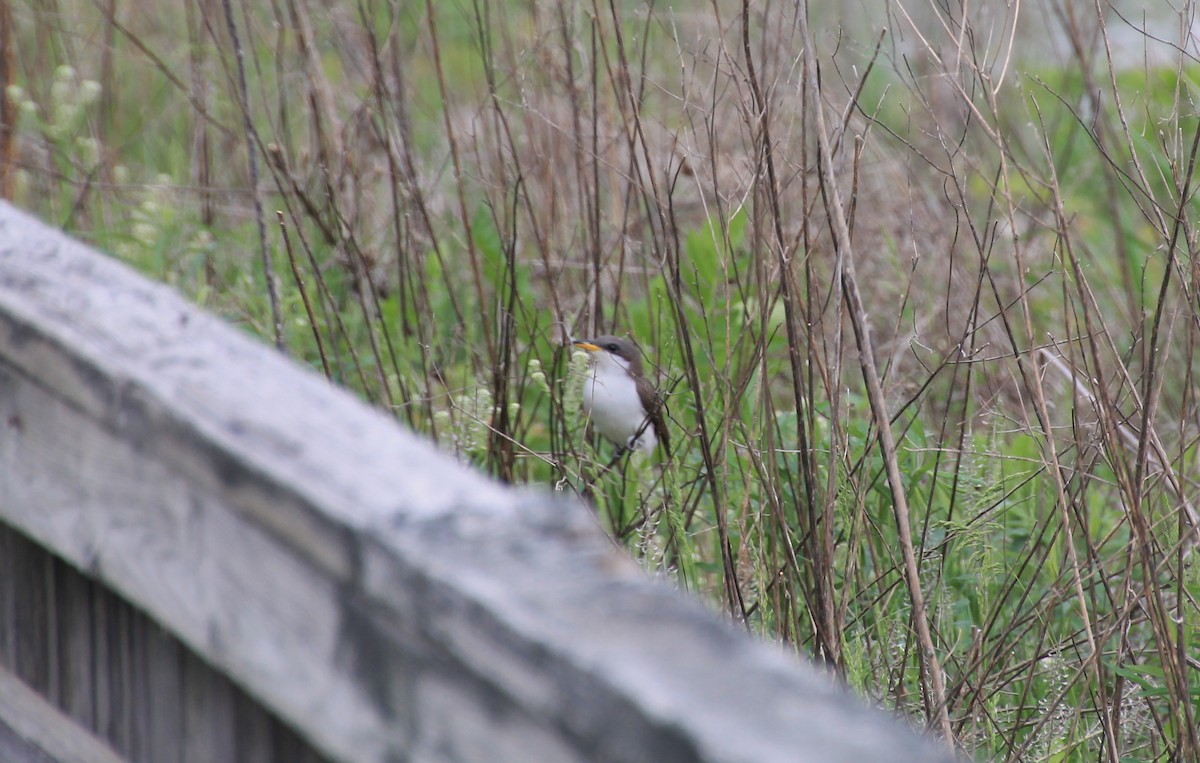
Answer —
620 402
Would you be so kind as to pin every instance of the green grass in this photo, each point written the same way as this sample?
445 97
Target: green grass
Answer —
627 148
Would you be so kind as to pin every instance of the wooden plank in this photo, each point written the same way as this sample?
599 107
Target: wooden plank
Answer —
123 675
254 732
8 591
105 654
209 724
34 731
76 693
140 698
49 648
101 653
381 599
287 745
30 616
218 578
164 659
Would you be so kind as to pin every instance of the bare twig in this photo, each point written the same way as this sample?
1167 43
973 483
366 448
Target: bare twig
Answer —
252 163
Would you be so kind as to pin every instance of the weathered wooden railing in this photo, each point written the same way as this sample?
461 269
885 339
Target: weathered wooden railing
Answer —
208 553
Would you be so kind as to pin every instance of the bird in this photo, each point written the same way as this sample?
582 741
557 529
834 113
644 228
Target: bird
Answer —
618 399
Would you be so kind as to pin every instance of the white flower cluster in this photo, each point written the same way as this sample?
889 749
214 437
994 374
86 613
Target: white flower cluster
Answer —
466 426
64 121
577 370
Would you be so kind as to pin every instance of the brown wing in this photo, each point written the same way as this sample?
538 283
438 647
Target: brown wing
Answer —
654 405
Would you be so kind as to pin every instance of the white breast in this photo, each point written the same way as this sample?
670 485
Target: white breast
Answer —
610 399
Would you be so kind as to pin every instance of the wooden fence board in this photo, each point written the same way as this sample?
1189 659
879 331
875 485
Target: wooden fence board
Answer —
74 642
33 731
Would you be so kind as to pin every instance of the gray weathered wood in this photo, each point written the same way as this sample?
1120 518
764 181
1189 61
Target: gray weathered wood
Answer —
34 731
382 599
75 693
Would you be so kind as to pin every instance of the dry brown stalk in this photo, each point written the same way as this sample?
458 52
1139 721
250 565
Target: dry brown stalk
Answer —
930 664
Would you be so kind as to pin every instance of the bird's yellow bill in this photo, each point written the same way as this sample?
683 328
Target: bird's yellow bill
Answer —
586 346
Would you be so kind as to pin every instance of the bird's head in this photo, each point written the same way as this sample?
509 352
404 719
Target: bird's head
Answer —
612 351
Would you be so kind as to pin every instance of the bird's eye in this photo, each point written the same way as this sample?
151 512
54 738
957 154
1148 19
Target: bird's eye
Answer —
612 347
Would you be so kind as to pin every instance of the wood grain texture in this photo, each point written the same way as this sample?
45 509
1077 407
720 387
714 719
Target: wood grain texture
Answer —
33 731
142 701
385 602
73 638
